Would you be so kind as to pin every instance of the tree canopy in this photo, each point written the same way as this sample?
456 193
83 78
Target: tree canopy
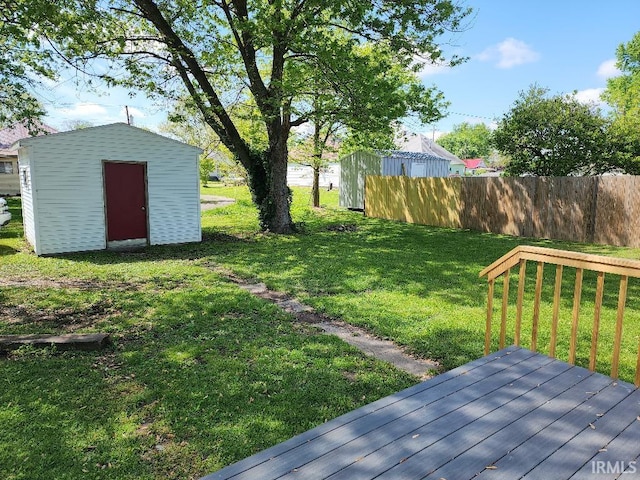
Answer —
23 61
553 136
259 51
623 91
387 90
468 141
623 94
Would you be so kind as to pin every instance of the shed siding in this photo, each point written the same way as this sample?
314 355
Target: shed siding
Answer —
69 199
171 221
353 170
392 167
68 196
26 187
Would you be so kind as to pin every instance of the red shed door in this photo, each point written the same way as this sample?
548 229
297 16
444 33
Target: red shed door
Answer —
125 191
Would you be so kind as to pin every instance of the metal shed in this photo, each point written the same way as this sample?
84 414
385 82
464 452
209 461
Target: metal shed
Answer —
356 166
111 186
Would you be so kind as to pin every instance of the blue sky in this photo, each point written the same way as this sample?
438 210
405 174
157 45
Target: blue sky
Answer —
565 45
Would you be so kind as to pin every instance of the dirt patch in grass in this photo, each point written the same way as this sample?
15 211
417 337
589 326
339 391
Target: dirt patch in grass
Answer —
65 283
67 319
62 319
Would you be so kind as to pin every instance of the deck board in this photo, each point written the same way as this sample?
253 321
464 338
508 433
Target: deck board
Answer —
518 412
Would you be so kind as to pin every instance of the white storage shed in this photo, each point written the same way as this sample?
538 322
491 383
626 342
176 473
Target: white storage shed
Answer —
105 187
356 166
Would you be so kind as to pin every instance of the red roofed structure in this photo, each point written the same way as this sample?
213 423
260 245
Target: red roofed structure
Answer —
9 177
473 163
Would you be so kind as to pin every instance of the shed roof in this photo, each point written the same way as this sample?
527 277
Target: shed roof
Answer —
418 142
93 130
472 163
412 156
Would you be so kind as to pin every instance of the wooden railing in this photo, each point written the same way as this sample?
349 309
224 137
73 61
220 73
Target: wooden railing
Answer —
602 265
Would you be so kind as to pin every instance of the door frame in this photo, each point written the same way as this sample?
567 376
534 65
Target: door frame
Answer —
133 243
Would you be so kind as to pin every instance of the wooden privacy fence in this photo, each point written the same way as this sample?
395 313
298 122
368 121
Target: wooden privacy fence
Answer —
602 210
560 258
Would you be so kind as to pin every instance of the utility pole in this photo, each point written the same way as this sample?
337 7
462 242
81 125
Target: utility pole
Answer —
126 109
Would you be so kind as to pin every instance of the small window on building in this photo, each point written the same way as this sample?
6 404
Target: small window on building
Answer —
6 167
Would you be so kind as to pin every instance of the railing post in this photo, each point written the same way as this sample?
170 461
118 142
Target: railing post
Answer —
556 311
505 304
577 293
536 306
617 342
521 279
487 331
596 322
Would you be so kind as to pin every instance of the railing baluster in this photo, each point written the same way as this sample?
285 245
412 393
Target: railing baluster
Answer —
556 311
577 293
536 306
487 331
600 264
617 342
596 321
637 379
505 304
521 279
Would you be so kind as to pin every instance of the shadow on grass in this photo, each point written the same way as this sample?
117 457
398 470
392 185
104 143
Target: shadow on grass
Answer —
200 378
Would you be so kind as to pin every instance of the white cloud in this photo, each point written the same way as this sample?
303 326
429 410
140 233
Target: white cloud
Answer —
83 110
608 69
429 69
590 96
509 53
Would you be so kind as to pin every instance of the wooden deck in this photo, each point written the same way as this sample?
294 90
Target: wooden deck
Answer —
512 414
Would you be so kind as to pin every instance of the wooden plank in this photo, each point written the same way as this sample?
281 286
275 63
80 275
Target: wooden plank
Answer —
577 293
492 448
598 263
592 437
399 452
392 424
556 311
617 342
637 379
481 425
596 322
622 454
487 329
69 341
521 280
534 451
505 304
536 306
491 364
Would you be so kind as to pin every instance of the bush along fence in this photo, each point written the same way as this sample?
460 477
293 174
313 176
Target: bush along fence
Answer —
603 210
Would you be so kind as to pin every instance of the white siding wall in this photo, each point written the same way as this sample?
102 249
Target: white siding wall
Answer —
26 192
69 198
353 170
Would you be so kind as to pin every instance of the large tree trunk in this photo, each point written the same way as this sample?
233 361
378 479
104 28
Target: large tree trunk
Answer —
279 220
267 175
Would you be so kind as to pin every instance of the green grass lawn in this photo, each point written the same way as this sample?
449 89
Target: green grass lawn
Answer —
201 373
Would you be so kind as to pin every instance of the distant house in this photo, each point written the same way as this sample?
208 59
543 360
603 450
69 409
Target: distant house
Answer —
417 142
9 178
302 175
111 186
356 166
